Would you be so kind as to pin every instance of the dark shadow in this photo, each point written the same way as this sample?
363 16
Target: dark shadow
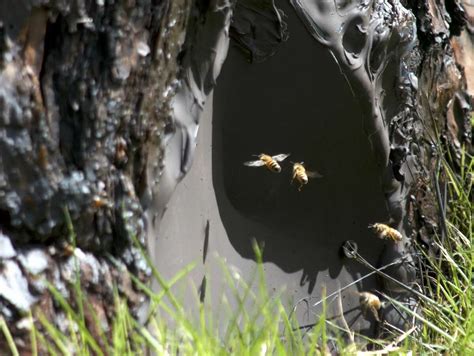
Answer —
202 289
296 102
205 246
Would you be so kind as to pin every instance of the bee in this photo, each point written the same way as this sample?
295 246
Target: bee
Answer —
271 162
386 232
121 151
301 174
98 202
68 250
370 304
64 248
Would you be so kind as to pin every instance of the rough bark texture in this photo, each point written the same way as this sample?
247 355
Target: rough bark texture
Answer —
94 93
85 97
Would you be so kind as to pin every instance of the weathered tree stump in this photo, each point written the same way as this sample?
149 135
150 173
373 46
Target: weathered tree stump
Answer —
99 111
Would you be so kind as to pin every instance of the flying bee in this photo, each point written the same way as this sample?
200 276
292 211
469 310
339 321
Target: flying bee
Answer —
302 175
370 304
386 232
271 162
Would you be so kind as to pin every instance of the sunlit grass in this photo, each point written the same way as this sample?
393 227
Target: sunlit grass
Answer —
449 274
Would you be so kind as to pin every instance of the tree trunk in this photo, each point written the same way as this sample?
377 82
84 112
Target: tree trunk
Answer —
99 111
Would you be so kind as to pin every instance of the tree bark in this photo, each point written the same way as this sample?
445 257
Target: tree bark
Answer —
85 98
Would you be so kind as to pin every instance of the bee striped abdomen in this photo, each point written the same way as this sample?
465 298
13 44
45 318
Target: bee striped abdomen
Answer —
270 163
386 232
274 166
303 178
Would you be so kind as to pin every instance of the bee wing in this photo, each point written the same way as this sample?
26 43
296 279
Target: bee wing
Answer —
280 157
313 174
257 163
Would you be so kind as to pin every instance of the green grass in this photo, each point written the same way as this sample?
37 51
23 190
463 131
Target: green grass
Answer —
449 275
446 321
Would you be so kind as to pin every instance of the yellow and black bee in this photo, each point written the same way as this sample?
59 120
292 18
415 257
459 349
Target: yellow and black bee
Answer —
386 232
301 174
271 162
370 304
